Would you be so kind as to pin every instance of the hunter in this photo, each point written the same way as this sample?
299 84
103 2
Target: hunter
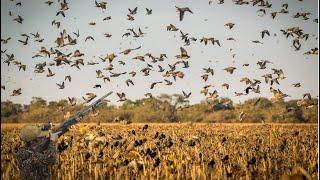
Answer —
38 155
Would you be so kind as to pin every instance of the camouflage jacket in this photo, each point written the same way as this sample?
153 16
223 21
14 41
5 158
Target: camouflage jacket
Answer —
36 165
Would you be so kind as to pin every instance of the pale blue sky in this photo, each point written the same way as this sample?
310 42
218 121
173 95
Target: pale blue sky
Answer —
38 17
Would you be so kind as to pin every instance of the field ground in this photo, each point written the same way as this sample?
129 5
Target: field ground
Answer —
176 151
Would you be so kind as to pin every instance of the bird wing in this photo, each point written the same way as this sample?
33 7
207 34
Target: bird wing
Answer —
267 32
184 93
217 41
183 51
135 9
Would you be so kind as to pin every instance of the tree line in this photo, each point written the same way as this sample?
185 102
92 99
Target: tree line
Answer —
164 108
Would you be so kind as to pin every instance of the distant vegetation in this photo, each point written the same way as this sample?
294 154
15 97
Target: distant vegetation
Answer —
164 108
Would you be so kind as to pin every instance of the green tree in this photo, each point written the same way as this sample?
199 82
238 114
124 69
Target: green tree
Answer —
38 102
63 103
8 109
53 105
172 103
128 104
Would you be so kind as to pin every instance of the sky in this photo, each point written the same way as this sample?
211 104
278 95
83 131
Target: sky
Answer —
206 21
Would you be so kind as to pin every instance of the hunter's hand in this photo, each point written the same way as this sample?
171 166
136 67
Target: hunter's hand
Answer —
54 136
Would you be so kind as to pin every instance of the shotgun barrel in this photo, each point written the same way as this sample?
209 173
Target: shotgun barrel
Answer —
64 126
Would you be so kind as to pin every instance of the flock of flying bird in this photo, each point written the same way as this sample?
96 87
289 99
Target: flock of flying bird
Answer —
174 71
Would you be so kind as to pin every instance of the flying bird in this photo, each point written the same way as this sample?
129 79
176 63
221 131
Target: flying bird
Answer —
238 94
97 86
72 101
149 11
50 74
127 51
264 32
230 25
129 81
5 41
154 83
308 95
106 18
205 90
134 11
23 67
25 42
296 85
16 92
130 18
186 95
168 83
183 54
256 42
263 11
19 19
89 37
77 34
48 2
61 86
90 97
60 12
230 69
182 11
68 78
149 95
171 27
101 5
225 85
122 96
263 63
107 35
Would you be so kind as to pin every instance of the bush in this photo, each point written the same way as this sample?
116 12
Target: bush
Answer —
277 118
10 109
125 116
255 117
221 116
166 109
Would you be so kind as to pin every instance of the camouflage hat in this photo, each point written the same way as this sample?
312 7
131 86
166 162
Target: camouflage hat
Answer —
31 132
